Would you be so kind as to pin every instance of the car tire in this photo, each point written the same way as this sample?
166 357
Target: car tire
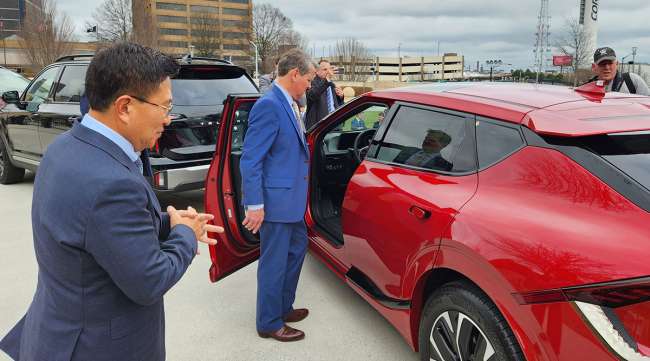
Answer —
459 322
8 172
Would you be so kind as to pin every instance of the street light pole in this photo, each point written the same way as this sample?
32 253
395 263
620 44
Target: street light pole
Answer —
256 59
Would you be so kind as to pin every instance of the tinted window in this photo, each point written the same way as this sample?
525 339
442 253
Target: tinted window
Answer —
495 141
170 6
41 87
209 86
71 85
429 139
240 126
628 152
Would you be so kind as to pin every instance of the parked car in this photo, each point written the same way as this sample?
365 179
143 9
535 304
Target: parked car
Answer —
484 221
10 80
180 158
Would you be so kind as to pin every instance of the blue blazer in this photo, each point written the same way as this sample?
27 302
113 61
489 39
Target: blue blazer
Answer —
275 160
106 256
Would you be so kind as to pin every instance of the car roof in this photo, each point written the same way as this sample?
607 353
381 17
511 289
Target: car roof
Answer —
547 109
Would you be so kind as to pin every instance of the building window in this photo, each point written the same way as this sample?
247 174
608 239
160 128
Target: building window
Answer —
172 19
233 46
236 23
204 20
205 33
171 6
204 9
166 31
173 44
234 35
230 11
9 14
236 1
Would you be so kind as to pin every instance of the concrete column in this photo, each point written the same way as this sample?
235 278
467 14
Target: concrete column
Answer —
442 68
377 69
400 69
422 69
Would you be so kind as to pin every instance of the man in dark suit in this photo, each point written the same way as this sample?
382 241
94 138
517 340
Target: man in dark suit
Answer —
324 96
274 169
106 252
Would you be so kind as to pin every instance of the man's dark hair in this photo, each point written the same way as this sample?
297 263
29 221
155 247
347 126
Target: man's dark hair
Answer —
323 61
126 69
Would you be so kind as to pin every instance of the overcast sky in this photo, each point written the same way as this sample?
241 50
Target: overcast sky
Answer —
480 30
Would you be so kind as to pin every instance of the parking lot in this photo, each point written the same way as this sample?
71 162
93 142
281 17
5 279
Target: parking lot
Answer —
208 321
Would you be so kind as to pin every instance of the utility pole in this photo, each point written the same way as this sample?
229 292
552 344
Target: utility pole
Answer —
542 44
399 50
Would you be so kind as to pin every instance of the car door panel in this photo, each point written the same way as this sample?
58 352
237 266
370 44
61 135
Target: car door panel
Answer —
236 247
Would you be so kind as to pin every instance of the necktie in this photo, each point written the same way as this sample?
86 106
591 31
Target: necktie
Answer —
330 100
138 162
296 112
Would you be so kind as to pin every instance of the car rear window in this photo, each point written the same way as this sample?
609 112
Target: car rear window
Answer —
209 85
629 152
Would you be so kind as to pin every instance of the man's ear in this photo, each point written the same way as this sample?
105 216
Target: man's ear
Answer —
122 105
594 67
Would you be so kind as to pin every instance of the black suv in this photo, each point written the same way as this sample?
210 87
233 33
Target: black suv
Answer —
180 160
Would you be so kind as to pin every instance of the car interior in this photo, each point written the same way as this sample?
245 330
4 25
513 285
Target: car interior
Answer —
340 149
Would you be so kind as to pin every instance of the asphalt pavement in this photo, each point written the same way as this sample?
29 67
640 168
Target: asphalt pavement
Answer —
215 321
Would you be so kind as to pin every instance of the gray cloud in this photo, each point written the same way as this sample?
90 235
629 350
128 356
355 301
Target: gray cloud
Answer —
480 30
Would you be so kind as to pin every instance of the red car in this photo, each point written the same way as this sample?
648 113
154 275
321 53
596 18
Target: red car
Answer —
484 221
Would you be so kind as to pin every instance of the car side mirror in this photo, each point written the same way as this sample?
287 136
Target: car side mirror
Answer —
11 97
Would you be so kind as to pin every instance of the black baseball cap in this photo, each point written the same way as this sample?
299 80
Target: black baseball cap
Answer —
604 53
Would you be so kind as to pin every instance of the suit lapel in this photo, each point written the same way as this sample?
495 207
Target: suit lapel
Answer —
292 117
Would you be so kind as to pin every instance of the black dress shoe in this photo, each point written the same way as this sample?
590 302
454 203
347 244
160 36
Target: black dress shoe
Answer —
284 334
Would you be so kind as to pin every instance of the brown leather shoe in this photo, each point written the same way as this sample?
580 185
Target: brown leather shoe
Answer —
285 334
296 315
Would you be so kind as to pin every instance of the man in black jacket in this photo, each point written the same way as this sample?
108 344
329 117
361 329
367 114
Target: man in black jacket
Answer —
324 96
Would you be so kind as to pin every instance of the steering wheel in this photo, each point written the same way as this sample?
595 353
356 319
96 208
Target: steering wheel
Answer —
362 143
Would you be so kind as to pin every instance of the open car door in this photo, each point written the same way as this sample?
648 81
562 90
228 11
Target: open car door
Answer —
236 247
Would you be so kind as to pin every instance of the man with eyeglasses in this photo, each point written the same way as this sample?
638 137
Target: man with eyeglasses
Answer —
106 252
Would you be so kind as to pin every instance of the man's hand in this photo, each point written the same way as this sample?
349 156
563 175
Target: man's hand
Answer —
254 219
338 91
197 221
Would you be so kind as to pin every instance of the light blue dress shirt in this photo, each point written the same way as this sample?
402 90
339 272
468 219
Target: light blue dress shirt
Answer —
94 124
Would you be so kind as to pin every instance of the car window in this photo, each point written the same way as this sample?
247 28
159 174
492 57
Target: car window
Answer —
495 141
240 126
40 88
430 139
342 137
203 86
12 81
71 86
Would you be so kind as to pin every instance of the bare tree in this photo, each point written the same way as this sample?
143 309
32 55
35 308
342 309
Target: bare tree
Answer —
354 57
205 34
294 39
47 34
575 42
270 27
113 19
145 31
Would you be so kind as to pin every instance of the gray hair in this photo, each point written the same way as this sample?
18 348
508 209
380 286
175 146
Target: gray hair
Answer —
292 59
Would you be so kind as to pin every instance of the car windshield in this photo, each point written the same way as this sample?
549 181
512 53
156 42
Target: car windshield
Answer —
208 86
10 80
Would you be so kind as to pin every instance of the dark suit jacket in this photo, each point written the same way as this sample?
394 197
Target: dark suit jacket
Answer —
317 101
106 256
275 160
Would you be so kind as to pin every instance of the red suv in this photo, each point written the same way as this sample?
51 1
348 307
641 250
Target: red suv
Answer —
484 221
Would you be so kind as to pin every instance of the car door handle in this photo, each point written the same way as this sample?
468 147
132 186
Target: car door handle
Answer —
419 213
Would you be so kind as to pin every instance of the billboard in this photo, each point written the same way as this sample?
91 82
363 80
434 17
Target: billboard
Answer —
562 60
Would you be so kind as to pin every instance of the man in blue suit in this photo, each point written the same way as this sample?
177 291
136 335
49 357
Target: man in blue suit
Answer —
106 252
274 169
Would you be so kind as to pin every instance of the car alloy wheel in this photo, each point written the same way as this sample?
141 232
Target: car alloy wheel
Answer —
454 336
461 323
8 173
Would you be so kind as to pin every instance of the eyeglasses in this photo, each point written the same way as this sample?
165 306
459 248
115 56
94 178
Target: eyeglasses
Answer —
168 109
